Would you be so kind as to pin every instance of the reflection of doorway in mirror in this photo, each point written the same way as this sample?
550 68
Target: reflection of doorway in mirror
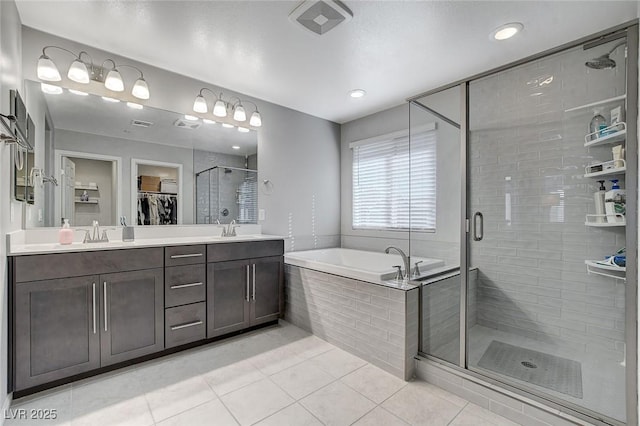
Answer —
156 192
89 189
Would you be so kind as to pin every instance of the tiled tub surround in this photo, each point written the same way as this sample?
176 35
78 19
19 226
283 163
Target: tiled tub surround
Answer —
375 322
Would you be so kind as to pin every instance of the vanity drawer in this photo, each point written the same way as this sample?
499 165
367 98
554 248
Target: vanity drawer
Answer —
185 324
244 250
184 284
184 255
62 265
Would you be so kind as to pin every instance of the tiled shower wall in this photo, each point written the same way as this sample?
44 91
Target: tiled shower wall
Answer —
528 156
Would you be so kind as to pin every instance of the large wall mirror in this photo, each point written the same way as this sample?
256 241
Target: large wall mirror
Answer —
112 159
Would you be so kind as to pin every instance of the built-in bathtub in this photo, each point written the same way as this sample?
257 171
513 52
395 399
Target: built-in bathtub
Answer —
362 265
350 298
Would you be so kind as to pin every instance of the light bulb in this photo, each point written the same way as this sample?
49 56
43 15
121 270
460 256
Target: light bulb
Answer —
228 126
114 81
134 105
78 92
140 89
200 105
239 114
78 72
50 89
220 109
243 130
190 117
47 70
256 119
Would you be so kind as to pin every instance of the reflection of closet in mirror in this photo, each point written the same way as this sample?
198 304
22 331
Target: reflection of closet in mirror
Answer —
226 193
158 193
88 190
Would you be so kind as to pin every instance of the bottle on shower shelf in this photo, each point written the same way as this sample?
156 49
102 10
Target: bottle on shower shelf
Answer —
599 200
597 124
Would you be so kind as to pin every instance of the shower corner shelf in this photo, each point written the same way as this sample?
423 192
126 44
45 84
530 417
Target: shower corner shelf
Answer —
607 168
91 201
611 138
592 220
597 103
618 272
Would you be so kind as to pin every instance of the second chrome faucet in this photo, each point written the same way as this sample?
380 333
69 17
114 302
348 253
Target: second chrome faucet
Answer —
405 260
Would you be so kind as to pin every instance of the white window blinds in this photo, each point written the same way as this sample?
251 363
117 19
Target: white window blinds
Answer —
394 184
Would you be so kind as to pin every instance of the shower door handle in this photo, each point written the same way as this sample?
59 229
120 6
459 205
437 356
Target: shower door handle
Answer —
478 226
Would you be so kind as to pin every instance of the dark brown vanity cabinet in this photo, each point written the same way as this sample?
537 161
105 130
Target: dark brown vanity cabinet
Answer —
244 285
67 320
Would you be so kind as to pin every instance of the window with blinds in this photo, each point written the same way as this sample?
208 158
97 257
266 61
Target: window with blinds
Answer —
394 182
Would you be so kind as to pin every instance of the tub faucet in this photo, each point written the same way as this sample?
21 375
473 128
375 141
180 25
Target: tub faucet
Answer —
405 259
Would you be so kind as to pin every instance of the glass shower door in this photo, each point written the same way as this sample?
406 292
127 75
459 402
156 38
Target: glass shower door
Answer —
541 321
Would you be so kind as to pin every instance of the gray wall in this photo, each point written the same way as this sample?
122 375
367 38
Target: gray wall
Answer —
10 213
532 277
299 155
444 243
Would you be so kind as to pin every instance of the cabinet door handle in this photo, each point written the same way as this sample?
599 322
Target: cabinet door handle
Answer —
254 282
104 290
175 287
247 283
190 324
182 256
94 308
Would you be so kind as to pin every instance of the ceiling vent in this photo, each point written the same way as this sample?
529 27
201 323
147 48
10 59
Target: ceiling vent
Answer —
322 16
184 124
140 123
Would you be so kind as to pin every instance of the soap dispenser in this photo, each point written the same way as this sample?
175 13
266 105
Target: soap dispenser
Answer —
615 203
65 235
597 124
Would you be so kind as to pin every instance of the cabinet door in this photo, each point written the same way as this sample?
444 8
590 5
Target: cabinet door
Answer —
132 319
56 329
227 297
266 289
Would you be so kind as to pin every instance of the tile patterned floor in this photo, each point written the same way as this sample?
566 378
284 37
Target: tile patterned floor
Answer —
277 376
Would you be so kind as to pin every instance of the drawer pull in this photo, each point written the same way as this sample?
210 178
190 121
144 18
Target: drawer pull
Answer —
175 287
189 324
182 256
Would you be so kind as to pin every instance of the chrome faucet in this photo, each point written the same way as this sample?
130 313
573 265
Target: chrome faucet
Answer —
405 260
230 231
94 235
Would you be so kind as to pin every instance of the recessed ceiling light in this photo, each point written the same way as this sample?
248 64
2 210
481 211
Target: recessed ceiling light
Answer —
207 121
506 31
235 147
78 92
357 93
134 105
190 117
228 126
108 99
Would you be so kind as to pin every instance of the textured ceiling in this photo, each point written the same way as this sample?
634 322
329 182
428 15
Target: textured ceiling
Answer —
391 49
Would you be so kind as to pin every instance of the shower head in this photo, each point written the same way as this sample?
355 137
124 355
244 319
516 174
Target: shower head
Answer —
604 62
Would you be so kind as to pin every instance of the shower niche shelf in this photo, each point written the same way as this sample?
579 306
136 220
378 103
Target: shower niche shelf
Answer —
593 220
619 135
618 272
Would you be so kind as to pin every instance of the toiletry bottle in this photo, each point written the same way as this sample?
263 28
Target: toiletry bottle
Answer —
599 200
615 203
65 234
618 156
597 124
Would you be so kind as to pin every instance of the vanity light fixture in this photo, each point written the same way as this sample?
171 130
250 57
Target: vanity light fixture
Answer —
83 71
221 108
506 31
78 92
134 105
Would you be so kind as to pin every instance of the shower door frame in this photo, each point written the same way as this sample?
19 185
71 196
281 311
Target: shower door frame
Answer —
630 31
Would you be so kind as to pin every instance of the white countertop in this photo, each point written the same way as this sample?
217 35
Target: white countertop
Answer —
18 245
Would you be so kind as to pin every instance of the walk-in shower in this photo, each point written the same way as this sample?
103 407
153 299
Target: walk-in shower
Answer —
226 193
536 308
